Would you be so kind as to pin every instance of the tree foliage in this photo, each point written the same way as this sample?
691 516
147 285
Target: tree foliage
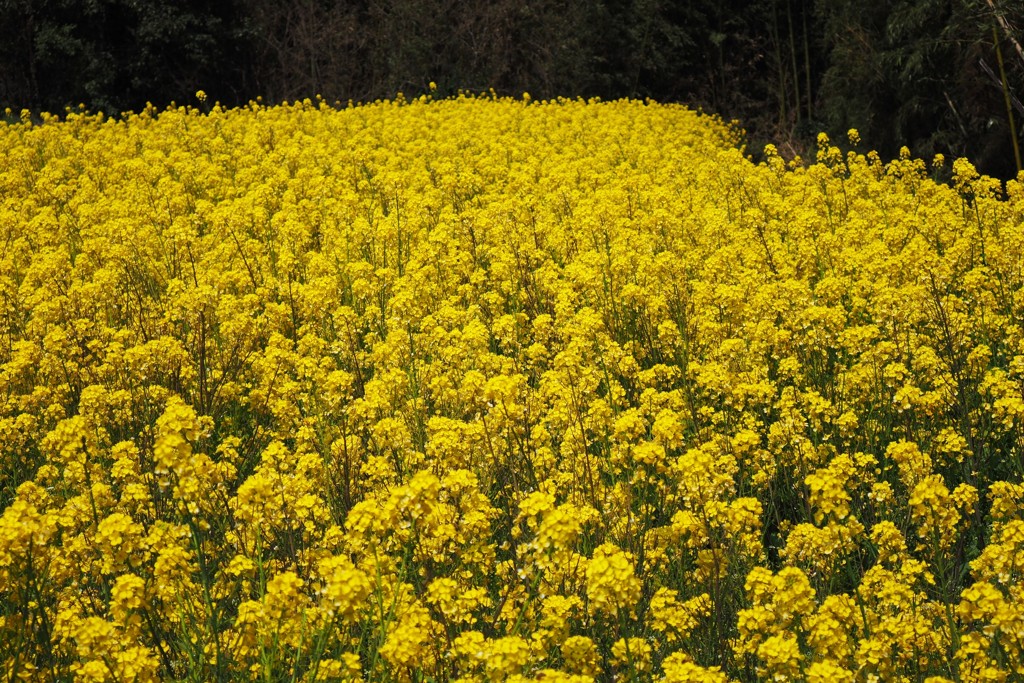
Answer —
940 76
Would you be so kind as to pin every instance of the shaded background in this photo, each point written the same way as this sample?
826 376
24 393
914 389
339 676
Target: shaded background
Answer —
936 75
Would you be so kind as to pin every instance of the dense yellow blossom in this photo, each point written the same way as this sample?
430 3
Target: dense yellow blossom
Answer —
487 389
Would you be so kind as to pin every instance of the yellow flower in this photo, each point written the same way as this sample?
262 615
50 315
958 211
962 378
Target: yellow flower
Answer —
127 595
680 669
345 587
410 643
632 654
611 583
508 655
581 655
677 619
117 537
826 672
781 657
892 547
931 506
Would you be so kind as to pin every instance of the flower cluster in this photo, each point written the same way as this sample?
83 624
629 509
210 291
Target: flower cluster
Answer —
485 389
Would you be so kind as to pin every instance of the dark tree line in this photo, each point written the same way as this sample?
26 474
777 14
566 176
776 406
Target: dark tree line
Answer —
935 75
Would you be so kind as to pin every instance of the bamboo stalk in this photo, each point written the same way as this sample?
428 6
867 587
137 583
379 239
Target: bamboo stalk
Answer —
1005 25
1006 97
777 44
807 62
792 53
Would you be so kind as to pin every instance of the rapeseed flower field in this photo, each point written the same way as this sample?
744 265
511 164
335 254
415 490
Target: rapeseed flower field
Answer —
486 389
